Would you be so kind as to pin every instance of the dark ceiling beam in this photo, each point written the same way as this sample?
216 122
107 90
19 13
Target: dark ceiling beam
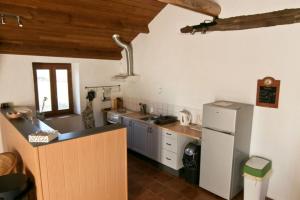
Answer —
208 7
282 17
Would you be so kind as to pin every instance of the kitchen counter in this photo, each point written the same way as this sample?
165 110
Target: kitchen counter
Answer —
175 127
77 165
26 127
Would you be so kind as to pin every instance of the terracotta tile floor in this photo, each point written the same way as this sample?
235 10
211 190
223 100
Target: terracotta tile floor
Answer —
148 182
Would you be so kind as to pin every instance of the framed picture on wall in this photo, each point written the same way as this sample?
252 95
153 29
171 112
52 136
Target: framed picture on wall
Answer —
268 92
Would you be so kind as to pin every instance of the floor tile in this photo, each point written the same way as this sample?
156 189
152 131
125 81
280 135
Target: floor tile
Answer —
148 182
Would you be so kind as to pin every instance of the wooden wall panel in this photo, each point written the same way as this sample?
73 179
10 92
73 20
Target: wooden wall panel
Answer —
93 167
71 172
15 142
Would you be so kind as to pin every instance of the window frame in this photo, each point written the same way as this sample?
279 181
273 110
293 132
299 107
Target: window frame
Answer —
52 67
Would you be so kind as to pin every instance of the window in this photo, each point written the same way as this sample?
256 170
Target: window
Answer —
53 88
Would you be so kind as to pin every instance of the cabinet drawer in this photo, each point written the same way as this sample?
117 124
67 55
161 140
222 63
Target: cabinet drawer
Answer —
169 158
169 144
169 134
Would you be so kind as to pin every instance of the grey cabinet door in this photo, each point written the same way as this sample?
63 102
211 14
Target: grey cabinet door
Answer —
140 137
154 143
128 123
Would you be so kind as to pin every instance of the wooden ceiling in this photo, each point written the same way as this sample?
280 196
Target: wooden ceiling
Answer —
74 28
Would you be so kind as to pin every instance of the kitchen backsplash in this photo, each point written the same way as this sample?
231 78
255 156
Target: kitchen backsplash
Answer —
163 108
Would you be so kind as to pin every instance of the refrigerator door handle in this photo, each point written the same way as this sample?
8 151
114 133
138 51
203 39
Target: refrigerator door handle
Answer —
221 131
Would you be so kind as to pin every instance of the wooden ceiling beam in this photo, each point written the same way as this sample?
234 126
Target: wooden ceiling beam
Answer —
47 17
151 5
82 28
282 17
20 48
131 9
208 7
54 43
83 9
92 41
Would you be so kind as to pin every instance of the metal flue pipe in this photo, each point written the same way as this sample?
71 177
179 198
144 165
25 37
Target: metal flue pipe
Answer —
129 54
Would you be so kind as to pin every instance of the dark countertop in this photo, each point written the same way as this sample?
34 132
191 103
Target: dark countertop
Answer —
26 127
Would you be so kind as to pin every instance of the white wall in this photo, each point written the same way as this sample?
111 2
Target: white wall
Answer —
193 70
98 74
16 79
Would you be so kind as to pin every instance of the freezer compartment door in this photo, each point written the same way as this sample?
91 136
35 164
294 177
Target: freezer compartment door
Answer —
216 162
219 118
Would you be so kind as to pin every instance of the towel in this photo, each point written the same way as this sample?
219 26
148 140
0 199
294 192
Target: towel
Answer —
88 116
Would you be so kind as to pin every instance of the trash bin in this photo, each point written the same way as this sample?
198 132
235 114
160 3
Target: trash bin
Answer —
191 163
257 172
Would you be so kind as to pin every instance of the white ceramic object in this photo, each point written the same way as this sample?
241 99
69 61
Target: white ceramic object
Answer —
13 115
185 117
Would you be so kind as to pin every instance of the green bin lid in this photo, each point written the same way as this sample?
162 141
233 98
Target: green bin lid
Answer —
257 167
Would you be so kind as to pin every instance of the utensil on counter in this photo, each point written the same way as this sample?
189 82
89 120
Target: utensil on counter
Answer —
143 108
114 104
119 103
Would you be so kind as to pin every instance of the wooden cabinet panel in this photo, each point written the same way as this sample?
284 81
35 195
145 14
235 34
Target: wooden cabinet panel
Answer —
15 142
93 167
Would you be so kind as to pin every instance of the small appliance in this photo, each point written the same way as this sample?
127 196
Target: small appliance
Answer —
191 163
185 118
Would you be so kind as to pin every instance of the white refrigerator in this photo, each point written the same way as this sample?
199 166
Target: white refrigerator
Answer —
225 146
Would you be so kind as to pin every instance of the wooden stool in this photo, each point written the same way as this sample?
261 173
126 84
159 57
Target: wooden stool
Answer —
8 162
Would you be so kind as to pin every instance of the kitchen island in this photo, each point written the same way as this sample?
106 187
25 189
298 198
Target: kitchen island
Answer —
88 164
